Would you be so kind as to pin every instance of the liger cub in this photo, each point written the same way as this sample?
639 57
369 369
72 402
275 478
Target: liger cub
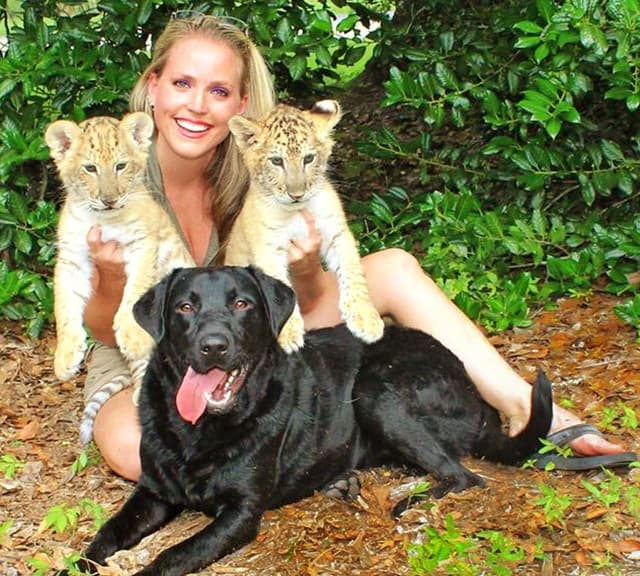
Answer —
286 154
102 164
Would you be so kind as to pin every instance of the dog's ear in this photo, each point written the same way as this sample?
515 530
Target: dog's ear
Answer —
279 299
149 309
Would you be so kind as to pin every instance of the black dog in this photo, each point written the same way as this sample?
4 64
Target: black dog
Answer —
233 426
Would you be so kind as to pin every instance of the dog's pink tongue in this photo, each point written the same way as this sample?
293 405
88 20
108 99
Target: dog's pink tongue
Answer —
190 400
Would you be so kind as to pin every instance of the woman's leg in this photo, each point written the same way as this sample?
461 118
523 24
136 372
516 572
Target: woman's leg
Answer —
400 288
116 432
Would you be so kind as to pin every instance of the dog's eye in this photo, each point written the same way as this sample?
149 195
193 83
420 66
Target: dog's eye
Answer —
241 304
185 308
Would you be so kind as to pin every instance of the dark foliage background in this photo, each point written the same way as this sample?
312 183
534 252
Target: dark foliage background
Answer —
505 154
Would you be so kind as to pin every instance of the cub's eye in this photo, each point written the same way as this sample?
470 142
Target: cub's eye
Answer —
185 308
276 160
309 158
241 304
120 166
91 168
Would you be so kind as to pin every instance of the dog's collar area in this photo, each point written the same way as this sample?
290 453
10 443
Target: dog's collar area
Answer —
213 392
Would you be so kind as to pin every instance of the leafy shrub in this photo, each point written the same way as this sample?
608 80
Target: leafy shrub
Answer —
526 147
80 59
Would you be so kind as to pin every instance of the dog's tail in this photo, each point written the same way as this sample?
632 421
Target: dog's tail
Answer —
514 450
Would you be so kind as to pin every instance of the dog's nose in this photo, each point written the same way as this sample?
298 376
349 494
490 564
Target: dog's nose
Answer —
214 344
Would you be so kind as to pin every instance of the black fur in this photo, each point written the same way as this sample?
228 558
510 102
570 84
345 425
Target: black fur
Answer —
299 422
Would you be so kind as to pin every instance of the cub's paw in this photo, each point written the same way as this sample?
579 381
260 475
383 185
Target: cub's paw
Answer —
68 356
364 321
291 337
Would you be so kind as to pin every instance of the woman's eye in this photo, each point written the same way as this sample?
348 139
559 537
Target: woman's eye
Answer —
181 84
220 92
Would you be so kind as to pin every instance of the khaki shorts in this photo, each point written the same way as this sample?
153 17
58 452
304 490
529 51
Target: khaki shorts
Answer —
105 365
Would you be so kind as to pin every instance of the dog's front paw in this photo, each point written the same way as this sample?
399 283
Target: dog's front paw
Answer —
69 355
81 566
457 483
291 337
364 321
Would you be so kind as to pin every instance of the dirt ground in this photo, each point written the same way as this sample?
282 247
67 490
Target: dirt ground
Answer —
591 356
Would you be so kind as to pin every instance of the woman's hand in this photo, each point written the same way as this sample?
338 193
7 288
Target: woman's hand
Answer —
107 282
305 266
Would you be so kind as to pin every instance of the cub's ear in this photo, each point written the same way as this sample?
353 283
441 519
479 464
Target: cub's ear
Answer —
325 114
245 131
279 299
149 311
139 127
59 137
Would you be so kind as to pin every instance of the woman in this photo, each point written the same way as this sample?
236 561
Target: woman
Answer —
205 70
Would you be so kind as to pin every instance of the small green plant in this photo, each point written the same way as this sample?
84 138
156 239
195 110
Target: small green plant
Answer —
450 552
629 311
5 530
548 447
447 551
40 566
10 465
63 517
85 459
632 498
606 492
554 504
621 414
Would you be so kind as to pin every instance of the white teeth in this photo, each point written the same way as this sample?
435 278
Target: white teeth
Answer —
192 126
227 391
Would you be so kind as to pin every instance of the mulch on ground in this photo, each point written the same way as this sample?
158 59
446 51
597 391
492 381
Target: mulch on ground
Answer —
590 355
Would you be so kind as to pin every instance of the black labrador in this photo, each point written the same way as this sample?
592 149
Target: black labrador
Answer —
233 426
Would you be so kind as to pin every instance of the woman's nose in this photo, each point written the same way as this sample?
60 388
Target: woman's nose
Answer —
198 102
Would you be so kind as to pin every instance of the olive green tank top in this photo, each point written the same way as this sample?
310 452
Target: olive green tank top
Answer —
154 179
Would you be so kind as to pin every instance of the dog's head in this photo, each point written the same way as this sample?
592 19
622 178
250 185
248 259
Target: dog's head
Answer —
213 325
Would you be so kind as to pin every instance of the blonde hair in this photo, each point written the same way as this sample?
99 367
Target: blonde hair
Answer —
228 175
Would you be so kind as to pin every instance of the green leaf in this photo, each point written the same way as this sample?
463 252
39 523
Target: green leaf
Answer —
527 42
297 67
528 26
347 24
445 76
612 151
541 52
283 30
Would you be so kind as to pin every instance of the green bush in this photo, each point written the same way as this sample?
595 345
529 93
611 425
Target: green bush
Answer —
527 124
525 141
80 59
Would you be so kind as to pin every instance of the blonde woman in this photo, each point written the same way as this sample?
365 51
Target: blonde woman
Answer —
203 71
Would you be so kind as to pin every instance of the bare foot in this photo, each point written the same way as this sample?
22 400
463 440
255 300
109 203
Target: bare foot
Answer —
586 445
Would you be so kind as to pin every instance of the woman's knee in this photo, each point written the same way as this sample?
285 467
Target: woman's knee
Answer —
116 433
391 262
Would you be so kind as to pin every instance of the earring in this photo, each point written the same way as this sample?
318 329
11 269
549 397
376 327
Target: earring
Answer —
151 104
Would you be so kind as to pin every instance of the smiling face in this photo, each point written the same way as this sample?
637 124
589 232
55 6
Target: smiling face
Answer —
194 95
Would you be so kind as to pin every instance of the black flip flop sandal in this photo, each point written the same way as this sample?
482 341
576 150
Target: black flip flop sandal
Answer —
566 435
